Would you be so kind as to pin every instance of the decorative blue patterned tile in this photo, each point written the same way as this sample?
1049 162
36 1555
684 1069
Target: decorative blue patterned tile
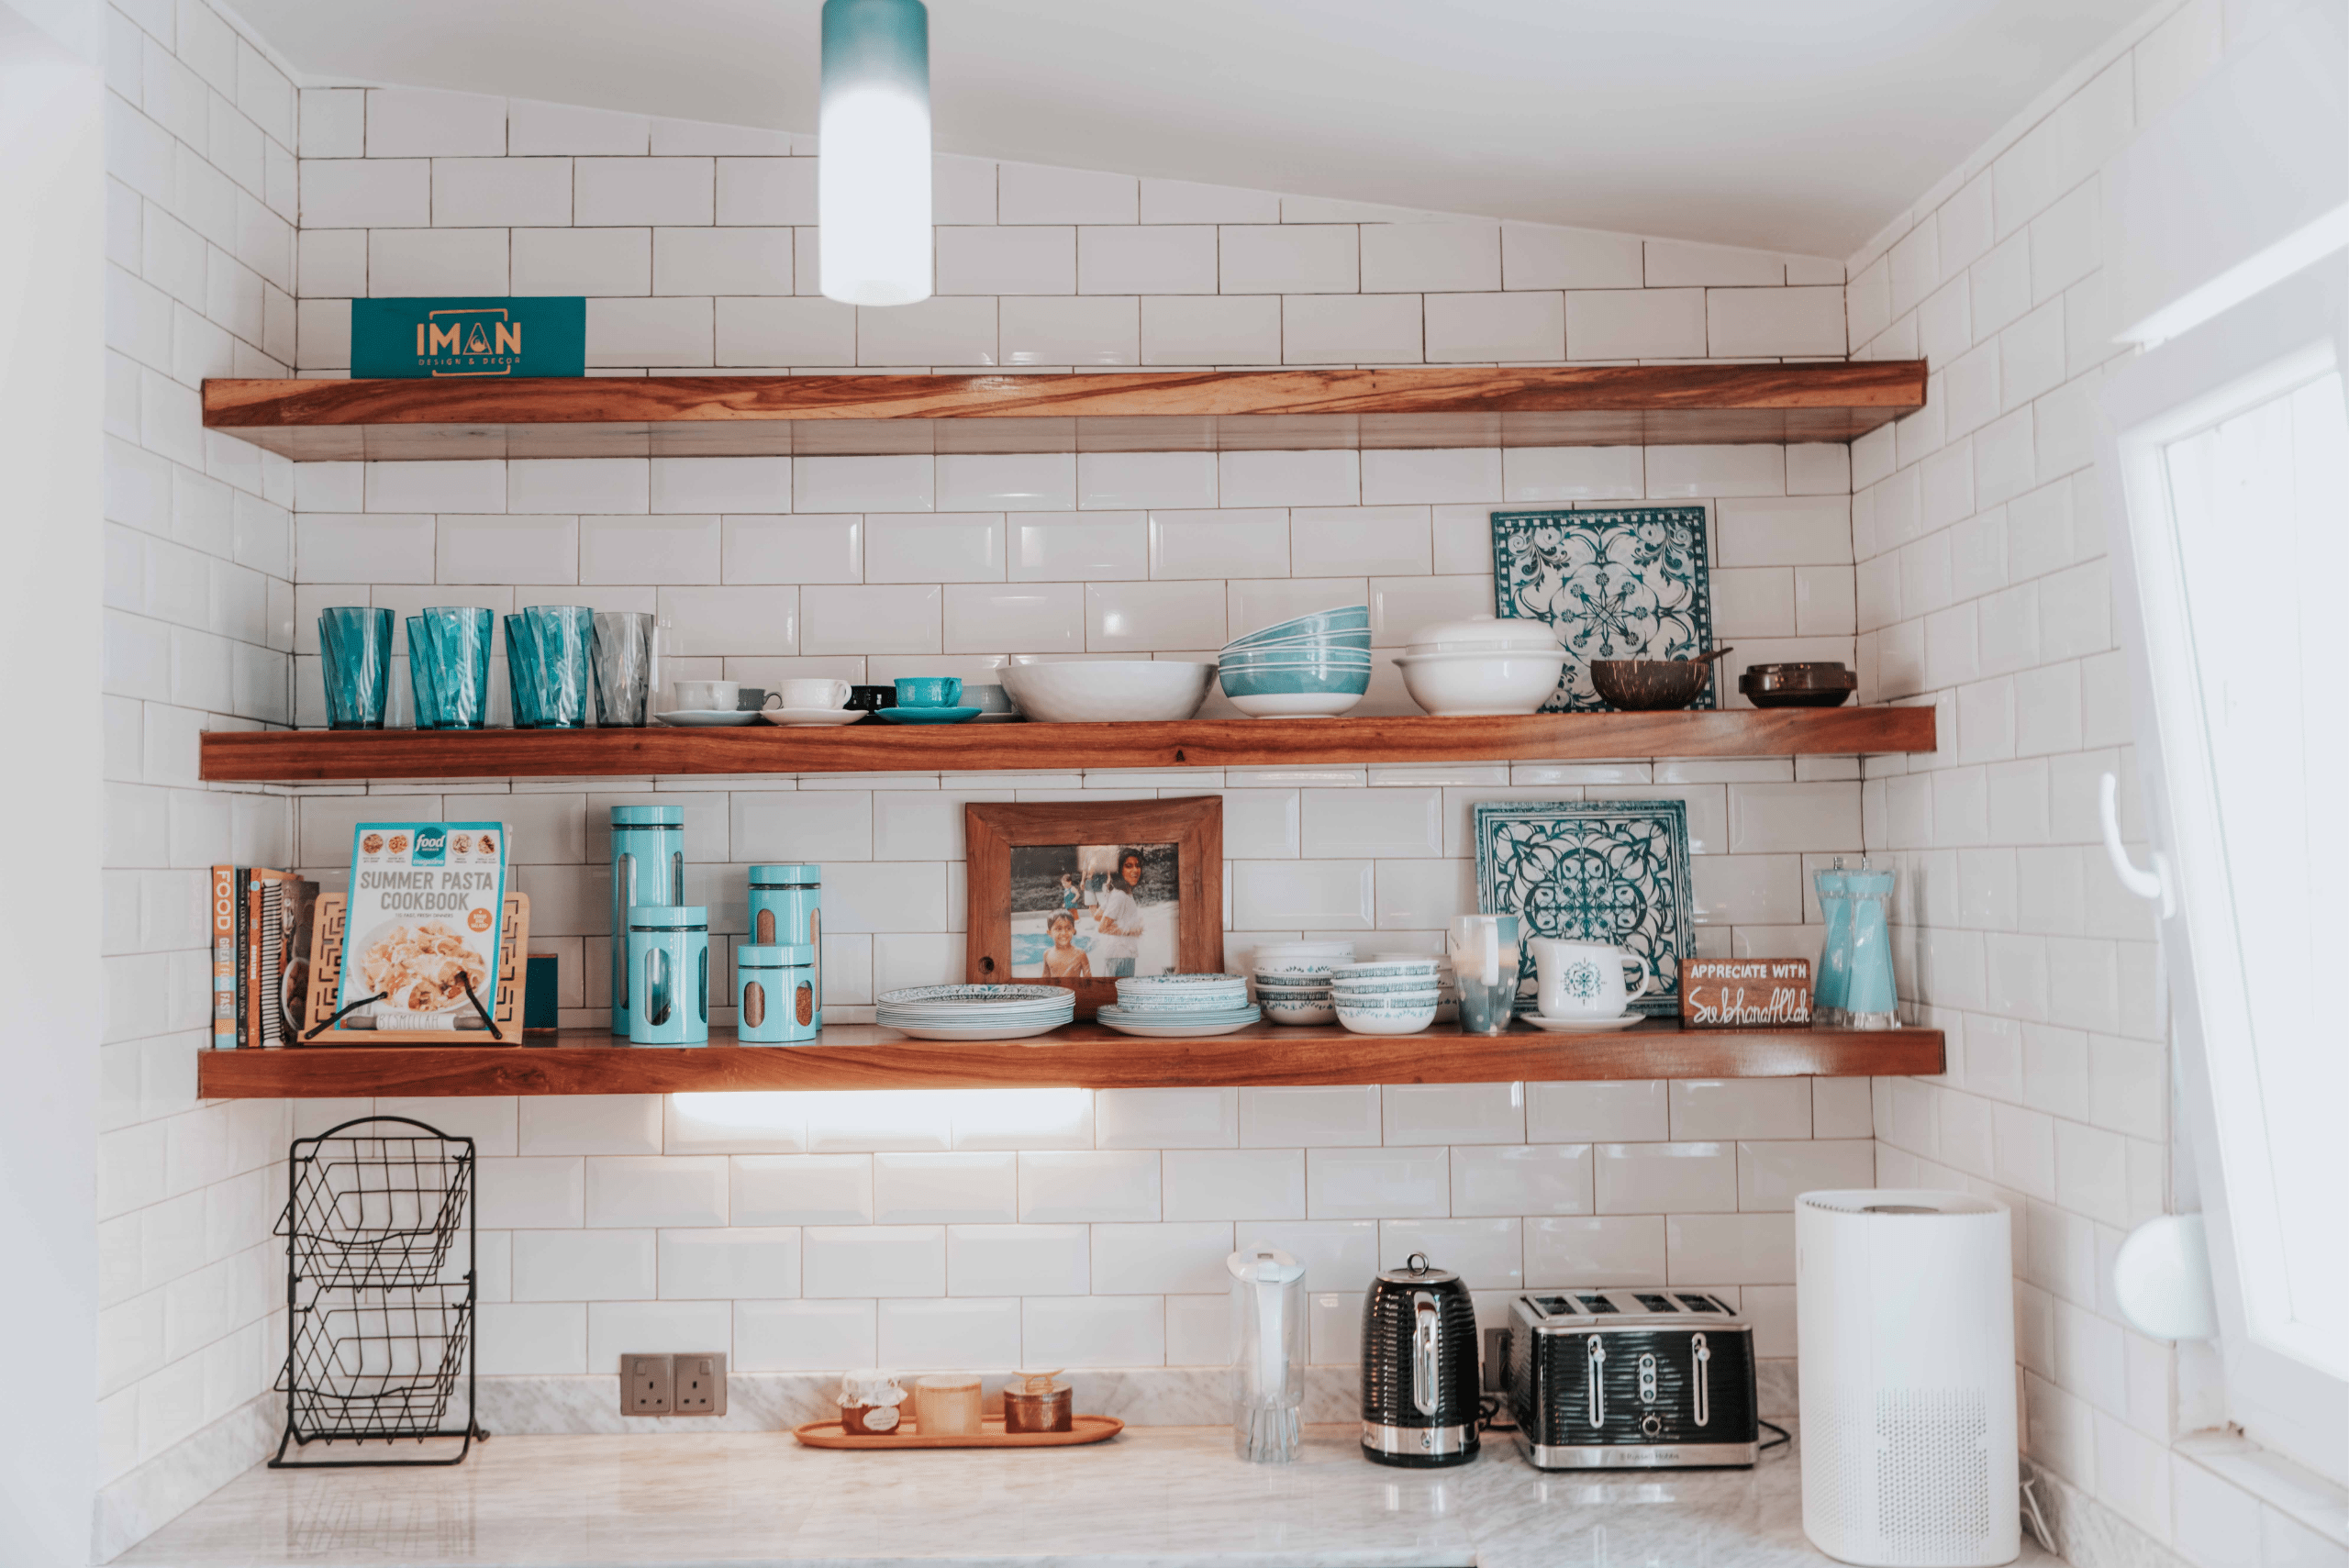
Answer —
1617 582
1602 870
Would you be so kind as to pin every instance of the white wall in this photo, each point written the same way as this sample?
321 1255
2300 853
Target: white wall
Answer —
198 605
50 394
1984 590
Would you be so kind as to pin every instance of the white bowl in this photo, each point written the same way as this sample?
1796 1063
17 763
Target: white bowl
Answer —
1107 690
1363 1022
1295 705
1295 1014
1489 682
1484 634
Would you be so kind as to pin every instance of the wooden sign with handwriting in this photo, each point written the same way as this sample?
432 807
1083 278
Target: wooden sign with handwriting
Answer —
1733 993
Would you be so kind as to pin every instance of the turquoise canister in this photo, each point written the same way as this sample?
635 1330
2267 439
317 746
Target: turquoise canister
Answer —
775 993
1873 1001
787 906
1834 978
648 867
668 962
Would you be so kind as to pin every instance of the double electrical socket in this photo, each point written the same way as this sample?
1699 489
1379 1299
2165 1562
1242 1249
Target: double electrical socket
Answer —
690 1384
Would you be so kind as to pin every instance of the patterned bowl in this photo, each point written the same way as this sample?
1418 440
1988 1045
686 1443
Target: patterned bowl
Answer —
1282 1010
1343 618
1387 1020
1384 968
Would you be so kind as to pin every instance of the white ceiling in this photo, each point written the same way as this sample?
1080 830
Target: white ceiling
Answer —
1797 125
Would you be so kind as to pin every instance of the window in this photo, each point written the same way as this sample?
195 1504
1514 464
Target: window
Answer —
2230 447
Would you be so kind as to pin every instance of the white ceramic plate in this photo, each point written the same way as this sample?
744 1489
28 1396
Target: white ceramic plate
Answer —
810 717
973 1031
1180 1031
1581 1026
691 718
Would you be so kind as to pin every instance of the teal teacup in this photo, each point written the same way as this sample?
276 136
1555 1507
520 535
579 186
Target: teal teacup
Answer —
930 691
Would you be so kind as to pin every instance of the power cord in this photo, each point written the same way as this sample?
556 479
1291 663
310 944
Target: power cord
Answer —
1781 1441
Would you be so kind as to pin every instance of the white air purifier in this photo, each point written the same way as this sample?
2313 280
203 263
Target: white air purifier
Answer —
1905 1309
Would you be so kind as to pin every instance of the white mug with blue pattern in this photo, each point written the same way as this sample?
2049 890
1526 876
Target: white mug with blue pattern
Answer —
1585 980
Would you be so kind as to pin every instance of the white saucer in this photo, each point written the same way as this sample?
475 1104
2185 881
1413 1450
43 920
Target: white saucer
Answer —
811 717
1581 1026
689 718
1182 1031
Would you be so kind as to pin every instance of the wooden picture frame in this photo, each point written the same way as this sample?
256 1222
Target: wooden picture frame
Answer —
1192 826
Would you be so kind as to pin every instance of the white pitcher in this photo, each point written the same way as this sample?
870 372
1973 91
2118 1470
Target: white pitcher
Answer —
1585 980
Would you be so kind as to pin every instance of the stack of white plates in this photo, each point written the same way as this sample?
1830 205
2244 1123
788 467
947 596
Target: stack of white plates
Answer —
1168 1005
975 1012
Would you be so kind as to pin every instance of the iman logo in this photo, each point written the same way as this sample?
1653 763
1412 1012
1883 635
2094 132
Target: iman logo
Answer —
469 342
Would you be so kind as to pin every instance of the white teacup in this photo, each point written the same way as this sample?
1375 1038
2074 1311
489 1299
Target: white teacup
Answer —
808 692
706 697
1585 980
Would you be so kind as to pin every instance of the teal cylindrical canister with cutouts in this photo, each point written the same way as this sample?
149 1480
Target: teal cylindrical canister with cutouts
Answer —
668 964
648 867
787 906
775 993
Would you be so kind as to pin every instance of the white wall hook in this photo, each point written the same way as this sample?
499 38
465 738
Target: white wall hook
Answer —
2161 1278
2148 884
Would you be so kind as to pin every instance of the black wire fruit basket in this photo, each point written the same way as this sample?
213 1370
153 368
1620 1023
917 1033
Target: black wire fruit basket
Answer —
379 1304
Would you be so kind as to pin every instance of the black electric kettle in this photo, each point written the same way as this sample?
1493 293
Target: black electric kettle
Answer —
1418 1367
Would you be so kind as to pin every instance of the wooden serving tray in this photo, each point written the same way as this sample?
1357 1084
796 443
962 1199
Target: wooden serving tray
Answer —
1089 1429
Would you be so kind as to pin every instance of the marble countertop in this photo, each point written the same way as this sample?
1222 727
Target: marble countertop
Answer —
1152 1497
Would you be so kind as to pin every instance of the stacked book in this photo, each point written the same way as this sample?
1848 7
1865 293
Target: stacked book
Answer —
261 955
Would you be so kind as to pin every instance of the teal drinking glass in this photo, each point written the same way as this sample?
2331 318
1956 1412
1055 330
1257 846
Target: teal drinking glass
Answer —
522 671
356 644
564 636
448 651
420 676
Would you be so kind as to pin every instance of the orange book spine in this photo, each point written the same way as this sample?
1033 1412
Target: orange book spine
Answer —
224 957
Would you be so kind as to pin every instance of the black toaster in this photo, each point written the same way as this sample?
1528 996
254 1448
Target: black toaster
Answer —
1633 1379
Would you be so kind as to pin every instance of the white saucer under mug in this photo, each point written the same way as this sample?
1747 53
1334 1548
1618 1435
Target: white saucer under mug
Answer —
1581 1026
808 717
696 718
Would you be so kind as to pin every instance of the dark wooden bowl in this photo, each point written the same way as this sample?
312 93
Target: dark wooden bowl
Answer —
1798 685
1649 685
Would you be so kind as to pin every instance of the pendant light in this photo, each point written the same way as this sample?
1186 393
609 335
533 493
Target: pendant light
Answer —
872 152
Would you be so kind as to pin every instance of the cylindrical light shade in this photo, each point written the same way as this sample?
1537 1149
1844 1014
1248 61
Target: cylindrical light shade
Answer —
872 152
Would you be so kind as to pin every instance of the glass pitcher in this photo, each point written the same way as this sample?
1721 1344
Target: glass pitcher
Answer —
1268 1354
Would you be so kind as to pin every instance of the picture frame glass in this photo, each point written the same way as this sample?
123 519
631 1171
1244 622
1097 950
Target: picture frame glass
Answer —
1096 911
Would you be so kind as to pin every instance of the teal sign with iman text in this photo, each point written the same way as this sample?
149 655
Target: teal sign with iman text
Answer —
534 336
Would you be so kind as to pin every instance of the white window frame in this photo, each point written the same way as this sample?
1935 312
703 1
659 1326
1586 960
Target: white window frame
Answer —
2280 337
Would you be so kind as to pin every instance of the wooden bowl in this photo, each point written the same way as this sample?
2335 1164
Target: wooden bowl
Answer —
1798 685
1649 685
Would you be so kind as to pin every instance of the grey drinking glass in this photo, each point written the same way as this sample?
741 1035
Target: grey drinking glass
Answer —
624 667
356 645
563 635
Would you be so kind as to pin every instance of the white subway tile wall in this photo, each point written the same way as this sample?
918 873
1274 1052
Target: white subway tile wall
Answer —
1983 589
199 635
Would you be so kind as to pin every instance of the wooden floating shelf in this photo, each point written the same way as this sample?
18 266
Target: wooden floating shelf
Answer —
288 756
1086 1056
738 416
